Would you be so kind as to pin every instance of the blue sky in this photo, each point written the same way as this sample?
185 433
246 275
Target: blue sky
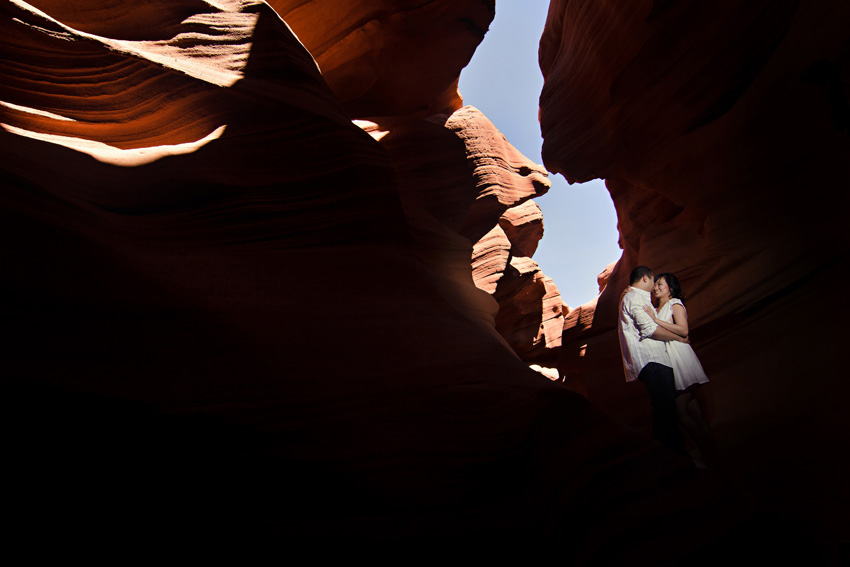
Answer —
503 80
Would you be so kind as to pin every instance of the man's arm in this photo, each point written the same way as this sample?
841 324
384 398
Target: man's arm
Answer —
649 328
662 334
680 320
644 323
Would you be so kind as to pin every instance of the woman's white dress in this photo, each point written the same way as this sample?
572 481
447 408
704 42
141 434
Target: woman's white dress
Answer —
687 370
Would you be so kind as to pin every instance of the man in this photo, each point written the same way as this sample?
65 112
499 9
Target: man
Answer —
645 357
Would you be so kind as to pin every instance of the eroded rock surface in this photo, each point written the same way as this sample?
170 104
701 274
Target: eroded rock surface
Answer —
391 57
530 307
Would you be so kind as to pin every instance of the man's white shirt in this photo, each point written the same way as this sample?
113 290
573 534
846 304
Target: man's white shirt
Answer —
636 328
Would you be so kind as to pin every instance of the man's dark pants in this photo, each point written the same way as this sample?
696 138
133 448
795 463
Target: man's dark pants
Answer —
658 380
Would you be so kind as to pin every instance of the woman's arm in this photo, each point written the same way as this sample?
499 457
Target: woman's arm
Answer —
680 320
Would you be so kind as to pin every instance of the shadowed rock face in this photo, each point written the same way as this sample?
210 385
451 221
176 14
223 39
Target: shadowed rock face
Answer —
721 152
230 318
530 316
460 181
506 226
391 57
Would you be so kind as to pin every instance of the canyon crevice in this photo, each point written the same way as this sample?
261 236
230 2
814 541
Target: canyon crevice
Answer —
270 280
727 167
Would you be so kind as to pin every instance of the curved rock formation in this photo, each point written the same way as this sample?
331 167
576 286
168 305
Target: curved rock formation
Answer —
530 307
457 178
437 190
366 50
227 326
506 226
724 161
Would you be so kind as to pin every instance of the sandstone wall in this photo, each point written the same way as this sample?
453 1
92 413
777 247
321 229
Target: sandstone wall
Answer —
726 157
237 316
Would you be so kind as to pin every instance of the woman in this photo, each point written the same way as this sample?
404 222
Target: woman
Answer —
687 370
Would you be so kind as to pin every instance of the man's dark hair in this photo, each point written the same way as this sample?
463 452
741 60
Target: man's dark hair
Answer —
638 273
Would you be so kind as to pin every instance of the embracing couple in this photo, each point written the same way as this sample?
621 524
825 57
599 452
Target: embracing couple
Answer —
654 344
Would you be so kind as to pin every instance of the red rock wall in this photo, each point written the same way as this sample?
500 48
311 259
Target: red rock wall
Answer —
228 323
391 57
366 52
506 226
726 167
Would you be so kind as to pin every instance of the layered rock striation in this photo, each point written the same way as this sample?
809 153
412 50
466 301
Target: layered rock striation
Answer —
391 57
460 182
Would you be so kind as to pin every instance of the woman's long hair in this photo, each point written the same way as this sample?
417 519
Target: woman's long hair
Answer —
673 284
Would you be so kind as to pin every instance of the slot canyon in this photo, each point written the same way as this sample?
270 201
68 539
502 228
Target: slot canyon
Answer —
269 278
